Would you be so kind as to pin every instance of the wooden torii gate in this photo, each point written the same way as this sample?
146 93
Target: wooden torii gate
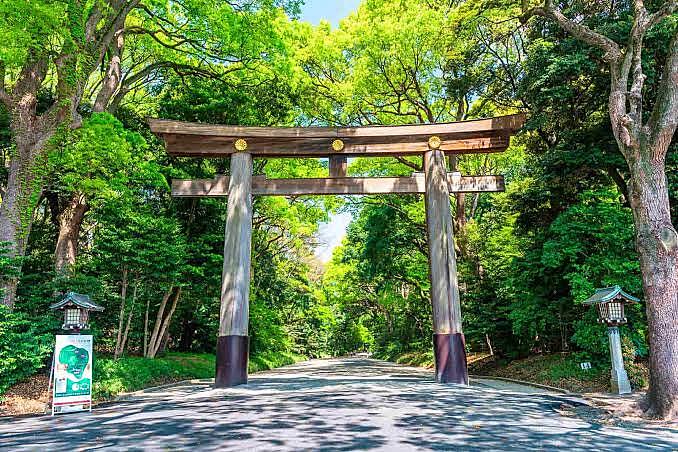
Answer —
433 141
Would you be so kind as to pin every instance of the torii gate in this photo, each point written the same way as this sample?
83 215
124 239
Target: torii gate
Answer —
433 141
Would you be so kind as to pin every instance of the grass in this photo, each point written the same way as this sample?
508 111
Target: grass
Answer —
560 370
418 359
129 374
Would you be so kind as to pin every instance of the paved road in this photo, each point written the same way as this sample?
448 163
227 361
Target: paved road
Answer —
335 405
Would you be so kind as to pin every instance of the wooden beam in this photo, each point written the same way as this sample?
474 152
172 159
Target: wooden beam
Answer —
336 186
220 147
503 124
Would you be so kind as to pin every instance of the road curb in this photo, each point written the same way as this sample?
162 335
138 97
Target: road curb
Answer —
527 383
130 395
570 397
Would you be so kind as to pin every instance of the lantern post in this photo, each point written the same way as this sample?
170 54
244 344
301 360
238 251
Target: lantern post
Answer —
610 303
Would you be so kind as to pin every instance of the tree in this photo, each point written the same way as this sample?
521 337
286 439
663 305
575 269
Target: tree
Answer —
79 52
93 164
644 139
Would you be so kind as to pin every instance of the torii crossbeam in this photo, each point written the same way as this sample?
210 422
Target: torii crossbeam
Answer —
432 141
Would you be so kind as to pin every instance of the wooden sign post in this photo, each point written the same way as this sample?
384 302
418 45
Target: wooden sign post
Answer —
242 144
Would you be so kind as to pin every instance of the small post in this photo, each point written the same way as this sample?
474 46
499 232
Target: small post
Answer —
619 379
233 342
448 338
338 166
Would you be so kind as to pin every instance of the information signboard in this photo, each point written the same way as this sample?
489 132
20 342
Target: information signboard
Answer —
72 385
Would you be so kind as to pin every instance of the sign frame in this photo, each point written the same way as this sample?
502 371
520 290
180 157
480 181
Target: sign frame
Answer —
72 389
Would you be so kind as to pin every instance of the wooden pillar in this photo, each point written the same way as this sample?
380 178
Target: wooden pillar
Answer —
448 339
233 342
338 166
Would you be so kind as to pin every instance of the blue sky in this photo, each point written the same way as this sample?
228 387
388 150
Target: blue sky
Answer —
332 233
332 10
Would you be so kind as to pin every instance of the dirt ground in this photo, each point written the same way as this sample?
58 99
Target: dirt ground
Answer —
26 397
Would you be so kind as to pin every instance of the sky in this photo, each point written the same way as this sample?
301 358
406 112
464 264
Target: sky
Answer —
331 234
332 10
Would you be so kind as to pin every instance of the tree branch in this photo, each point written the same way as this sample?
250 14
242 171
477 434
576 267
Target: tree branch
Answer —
112 79
664 118
612 50
4 97
666 10
406 162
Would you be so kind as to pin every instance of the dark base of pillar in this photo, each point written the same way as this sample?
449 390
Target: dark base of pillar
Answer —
450 356
232 357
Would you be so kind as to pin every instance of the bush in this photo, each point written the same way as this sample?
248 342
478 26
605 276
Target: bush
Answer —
114 377
24 347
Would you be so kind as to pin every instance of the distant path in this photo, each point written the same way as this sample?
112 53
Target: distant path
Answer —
333 405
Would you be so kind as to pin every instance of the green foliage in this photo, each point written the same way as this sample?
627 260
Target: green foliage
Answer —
272 360
25 346
100 160
638 374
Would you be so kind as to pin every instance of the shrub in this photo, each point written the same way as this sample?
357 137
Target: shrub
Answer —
24 347
638 374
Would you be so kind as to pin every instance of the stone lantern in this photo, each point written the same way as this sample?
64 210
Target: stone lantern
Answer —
610 303
76 308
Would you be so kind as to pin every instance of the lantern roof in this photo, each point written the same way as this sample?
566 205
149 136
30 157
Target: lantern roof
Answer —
607 294
81 301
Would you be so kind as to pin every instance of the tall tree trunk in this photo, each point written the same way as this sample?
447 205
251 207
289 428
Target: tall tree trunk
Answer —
129 320
70 223
158 320
148 305
657 244
162 321
461 211
123 299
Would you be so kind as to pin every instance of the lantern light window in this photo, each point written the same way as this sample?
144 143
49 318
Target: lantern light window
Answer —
72 316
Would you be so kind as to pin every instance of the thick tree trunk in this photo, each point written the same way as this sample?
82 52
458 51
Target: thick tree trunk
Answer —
657 243
24 185
70 223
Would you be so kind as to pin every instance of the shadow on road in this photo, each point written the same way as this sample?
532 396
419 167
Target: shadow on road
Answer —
331 406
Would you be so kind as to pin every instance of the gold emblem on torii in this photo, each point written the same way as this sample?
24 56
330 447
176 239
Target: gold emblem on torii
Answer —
240 145
338 145
434 142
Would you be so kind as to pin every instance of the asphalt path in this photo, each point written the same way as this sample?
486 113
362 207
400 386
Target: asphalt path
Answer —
334 405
